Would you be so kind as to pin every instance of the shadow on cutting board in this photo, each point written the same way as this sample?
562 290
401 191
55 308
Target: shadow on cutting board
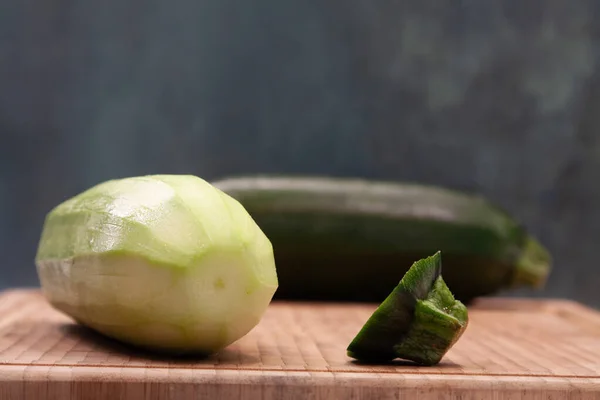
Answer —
94 345
404 363
94 342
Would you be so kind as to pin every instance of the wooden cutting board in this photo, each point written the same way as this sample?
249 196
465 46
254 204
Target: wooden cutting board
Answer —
512 349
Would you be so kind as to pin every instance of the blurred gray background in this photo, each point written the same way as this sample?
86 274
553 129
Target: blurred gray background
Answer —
501 97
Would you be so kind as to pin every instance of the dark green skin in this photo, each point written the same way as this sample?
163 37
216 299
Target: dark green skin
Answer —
419 321
347 240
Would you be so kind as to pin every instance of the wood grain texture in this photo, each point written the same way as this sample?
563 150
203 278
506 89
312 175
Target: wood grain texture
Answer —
512 349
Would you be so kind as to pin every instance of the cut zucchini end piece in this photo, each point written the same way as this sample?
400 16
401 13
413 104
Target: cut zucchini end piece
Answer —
439 321
533 266
421 276
392 319
419 321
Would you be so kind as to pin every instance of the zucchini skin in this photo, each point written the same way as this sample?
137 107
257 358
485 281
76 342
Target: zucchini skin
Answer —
341 239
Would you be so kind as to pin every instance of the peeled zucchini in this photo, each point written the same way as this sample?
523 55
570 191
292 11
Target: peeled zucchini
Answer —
165 262
347 239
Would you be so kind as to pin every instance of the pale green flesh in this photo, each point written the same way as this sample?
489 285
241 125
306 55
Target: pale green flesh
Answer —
203 308
166 262
166 219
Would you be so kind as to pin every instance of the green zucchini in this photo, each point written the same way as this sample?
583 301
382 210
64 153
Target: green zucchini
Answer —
344 239
163 262
419 321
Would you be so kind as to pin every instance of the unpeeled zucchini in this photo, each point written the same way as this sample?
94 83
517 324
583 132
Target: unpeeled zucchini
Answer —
348 239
